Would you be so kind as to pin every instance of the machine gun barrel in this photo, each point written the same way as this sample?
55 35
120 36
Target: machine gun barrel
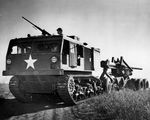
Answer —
44 32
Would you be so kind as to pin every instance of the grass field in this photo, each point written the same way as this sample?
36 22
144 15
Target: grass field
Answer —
4 91
122 105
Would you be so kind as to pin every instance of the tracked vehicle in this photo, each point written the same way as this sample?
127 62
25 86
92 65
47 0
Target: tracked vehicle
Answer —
62 66
52 64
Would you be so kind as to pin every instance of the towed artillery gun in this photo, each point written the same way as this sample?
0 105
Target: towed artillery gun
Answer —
60 67
116 76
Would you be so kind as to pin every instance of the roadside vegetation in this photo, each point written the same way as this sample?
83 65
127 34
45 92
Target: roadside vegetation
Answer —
121 105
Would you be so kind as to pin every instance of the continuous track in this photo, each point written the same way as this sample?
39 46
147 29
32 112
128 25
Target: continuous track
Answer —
74 89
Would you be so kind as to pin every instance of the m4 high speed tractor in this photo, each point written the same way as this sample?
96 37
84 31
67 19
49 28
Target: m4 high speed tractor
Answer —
60 65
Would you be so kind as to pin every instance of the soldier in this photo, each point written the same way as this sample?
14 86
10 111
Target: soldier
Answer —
60 31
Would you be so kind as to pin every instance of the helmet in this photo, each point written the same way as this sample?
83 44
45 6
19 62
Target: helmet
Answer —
59 29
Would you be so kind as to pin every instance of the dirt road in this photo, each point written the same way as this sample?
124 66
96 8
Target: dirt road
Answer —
13 110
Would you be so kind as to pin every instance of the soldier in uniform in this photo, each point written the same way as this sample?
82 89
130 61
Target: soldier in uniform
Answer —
60 31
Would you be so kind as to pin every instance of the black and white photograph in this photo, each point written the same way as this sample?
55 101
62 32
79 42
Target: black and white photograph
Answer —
74 59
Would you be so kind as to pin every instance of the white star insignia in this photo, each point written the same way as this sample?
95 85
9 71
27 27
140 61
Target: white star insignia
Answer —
30 62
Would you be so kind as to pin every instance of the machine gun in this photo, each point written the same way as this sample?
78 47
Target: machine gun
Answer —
44 32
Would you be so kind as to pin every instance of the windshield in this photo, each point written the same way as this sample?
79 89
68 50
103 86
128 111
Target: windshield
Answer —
47 47
19 48
34 47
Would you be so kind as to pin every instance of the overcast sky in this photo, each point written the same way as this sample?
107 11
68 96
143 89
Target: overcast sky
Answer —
117 27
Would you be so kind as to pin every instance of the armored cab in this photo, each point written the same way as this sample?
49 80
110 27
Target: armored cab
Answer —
49 55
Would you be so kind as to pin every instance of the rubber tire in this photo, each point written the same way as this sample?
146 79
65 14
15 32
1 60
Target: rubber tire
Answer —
146 84
107 87
131 84
121 83
137 84
141 84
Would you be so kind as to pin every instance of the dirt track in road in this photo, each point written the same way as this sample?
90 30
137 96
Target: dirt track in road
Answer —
12 109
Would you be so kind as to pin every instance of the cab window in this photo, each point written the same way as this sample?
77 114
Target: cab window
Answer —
51 47
47 47
15 50
26 47
79 54
65 51
19 48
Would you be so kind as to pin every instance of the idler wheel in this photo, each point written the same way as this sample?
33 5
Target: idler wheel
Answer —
66 88
15 89
71 85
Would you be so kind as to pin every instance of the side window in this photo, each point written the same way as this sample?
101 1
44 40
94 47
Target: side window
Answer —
72 48
80 50
65 52
73 55
66 47
79 54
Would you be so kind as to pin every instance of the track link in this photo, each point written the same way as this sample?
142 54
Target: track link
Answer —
74 89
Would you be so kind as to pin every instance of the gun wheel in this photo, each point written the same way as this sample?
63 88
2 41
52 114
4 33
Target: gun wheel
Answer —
146 84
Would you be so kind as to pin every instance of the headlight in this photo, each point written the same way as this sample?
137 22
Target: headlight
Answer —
53 59
8 61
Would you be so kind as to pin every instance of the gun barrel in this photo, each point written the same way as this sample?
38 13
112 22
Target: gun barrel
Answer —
135 68
32 23
43 31
114 67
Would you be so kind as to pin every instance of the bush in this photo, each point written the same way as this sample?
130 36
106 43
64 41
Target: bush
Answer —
121 105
